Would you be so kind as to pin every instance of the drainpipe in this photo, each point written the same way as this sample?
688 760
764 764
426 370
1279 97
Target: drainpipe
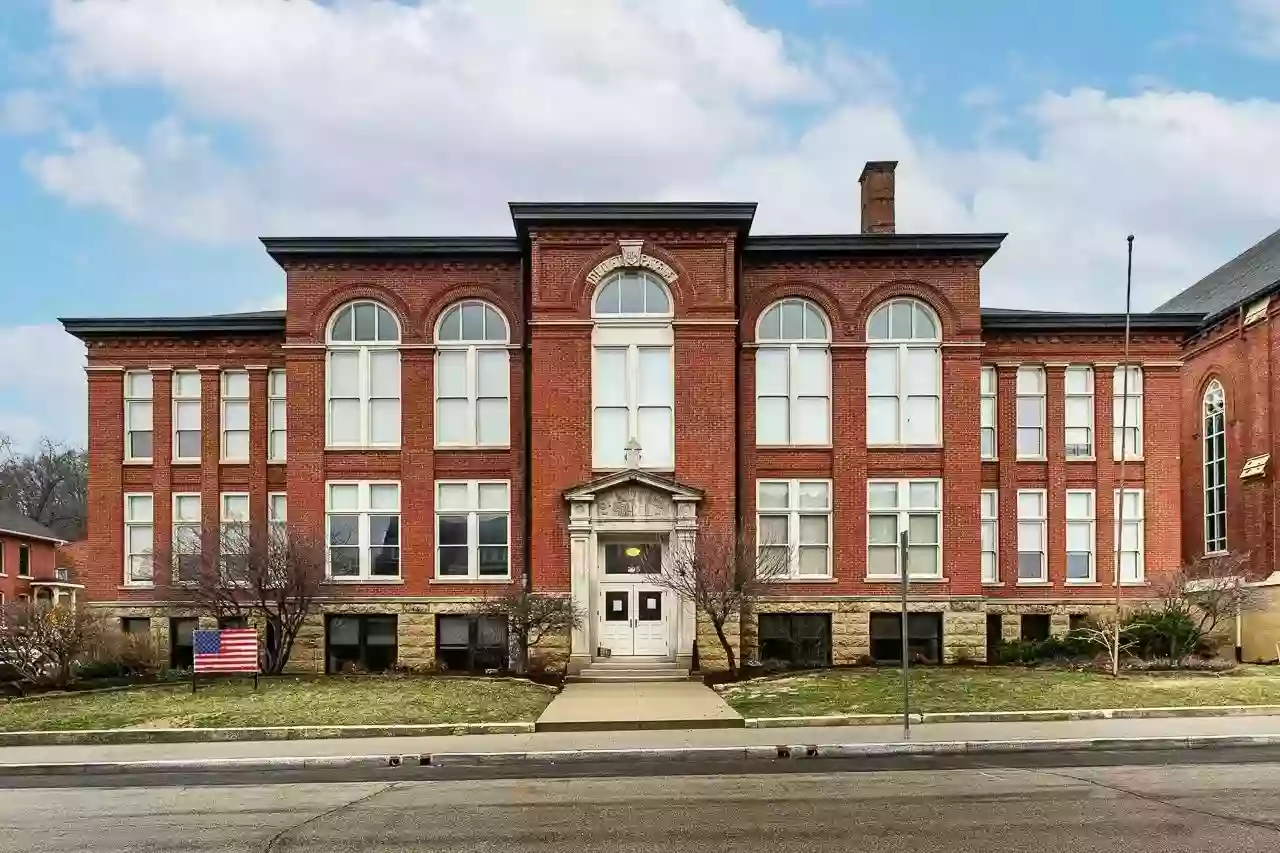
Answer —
526 355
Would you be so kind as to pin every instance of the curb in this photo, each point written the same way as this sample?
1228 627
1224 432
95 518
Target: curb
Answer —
784 752
1055 715
84 737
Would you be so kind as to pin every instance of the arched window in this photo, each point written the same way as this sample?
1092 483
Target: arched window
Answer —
473 377
362 383
633 374
904 374
1215 468
793 375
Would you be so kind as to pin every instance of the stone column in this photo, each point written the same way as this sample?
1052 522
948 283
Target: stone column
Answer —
580 561
685 535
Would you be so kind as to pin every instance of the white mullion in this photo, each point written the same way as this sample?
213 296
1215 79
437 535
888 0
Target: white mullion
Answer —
473 530
792 398
472 380
364 385
902 400
793 526
633 391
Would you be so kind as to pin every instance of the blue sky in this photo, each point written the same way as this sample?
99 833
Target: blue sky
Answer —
145 145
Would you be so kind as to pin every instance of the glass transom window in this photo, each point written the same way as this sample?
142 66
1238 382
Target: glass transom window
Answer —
632 293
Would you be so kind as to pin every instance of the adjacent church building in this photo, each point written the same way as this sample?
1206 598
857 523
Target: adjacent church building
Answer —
454 415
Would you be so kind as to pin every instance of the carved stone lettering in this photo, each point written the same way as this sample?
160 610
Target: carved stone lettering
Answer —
631 256
634 502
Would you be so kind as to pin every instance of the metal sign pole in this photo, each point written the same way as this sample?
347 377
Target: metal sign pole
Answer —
906 675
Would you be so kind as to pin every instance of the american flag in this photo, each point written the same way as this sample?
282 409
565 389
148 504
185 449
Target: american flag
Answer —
226 650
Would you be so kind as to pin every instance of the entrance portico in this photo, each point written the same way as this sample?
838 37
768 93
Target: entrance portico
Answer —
621 528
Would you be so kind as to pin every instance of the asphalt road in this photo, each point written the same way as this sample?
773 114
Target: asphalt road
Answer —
1134 809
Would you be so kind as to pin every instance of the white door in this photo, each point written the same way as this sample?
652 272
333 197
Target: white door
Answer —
633 620
650 621
616 633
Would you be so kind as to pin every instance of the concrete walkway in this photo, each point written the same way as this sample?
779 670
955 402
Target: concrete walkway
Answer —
637 705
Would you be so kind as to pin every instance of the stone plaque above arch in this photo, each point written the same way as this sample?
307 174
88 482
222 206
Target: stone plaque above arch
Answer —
631 254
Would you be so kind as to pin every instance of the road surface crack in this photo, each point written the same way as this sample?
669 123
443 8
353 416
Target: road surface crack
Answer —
279 836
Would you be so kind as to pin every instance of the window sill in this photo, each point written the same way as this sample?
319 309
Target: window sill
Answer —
993 583
802 580
139 462
903 446
1031 458
1081 458
988 458
276 461
469 580
185 461
1069 582
387 581
348 448
793 447
1216 553
473 447
1131 583
233 461
897 579
1035 583
137 586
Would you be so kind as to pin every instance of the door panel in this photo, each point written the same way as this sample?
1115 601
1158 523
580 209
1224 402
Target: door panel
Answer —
651 623
616 633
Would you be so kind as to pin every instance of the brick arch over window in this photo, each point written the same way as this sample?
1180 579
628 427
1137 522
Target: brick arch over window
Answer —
908 288
425 322
356 292
584 291
799 289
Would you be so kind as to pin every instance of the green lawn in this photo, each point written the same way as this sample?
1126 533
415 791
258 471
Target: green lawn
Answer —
284 701
879 691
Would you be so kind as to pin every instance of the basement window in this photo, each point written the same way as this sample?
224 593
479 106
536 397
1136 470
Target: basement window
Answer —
360 644
1035 626
471 643
924 637
795 639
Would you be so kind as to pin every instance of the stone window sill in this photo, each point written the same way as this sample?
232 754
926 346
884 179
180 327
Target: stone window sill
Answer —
472 447
1081 459
137 586
993 583
185 462
1035 583
896 579
139 462
782 580
468 580
1032 458
793 447
387 581
1069 582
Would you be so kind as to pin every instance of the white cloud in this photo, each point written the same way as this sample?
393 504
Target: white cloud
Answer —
27 111
1260 27
42 386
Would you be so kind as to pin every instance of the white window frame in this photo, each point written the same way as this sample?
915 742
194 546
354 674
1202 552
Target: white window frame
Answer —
794 513
227 401
1028 520
1077 450
134 399
277 414
178 527
227 519
1214 435
473 350
1023 393
181 401
364 378
278 512
903 511
631 394
989 412
903 347
473 511
149 523
791 346
1138 522
989 518
1117 402
364 509
1085 523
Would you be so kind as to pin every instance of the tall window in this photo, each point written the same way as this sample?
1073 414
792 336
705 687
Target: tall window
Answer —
989 414
473 529
1080 535
363 386
793 375
1031 412
277 421
911 505
234 523
1215 468
277 514
186 416
1129 541
363 521
24 561
633 381
235 415
1079 412
186 536
1031 536
473 377
137 416
990 536
904 374
139 534
1128 407
793 520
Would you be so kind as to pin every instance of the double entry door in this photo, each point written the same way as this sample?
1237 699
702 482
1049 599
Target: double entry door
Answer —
633 620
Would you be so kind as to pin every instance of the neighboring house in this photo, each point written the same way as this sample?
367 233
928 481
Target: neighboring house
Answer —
30 568
456 413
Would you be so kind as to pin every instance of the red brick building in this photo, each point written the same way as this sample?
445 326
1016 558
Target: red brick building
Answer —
457 413
34 563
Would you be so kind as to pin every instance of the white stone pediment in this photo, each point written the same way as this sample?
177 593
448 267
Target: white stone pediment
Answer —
633 495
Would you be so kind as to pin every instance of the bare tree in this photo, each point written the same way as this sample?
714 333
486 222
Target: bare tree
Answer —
723 575
49 485
43 642
1211 590
230 572
531 617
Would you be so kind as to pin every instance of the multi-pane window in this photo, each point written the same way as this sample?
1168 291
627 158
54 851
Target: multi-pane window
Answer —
186 536
1080 535
1215 468
473 377
235 415
473 529
1032 566
990 536
277 514
234 524
277 419
793 375
634 392
363 377
137 416
1079 412
1129 535
1030 412
1126 413
911 505
139 534
904 374
632 293
988 414
363 529
186 416
793 525
24 561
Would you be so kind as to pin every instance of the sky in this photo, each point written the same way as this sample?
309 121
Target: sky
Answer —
145 145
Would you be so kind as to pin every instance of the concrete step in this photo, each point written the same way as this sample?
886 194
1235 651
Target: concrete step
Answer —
633 677
628 664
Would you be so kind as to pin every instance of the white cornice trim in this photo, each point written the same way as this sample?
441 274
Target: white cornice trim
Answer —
104 368
257 367
303 346
1008 364
710 321
160 368
209 367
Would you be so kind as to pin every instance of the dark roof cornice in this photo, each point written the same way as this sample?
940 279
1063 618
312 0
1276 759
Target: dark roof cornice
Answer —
526 214
281 248
254 322
981 245
1012 320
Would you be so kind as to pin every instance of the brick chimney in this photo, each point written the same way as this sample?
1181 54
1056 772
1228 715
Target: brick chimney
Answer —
877 196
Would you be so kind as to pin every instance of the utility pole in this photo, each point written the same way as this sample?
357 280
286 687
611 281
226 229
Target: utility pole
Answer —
906 675
1124 455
